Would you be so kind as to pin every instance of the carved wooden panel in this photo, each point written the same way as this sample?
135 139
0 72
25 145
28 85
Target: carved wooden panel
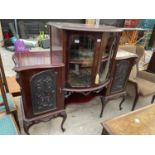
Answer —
43 91
120 77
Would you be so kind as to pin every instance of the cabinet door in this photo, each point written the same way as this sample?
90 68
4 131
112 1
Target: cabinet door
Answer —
81 59
121 75
42 91
107 52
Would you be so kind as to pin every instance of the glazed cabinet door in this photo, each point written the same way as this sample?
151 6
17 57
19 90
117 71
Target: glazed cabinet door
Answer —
108 50
81 59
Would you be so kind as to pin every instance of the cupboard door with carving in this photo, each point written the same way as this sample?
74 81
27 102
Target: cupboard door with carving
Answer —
43 91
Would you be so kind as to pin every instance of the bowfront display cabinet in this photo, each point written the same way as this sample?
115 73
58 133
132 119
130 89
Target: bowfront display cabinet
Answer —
87 52
79 63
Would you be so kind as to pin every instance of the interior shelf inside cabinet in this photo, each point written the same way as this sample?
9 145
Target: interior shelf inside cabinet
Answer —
80 77
82 62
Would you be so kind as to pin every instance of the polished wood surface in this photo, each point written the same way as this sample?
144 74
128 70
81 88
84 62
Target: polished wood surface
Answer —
139 122
30 60
85 27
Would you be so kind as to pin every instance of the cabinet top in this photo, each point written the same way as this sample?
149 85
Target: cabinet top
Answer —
84 27
33 60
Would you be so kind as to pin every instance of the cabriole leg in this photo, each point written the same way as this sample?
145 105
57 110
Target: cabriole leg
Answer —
104 102
123 99
64 115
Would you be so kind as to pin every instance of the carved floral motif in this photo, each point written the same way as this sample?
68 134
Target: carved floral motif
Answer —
43 90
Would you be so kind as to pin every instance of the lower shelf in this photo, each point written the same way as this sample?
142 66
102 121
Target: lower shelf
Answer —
89 89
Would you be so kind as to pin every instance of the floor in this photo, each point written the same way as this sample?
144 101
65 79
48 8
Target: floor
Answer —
83 119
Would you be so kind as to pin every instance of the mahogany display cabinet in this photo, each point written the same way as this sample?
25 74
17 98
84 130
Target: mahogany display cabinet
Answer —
88 52
79 63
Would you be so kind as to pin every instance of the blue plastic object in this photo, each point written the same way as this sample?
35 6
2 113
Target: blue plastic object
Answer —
147 23
10 102
13 39
7 126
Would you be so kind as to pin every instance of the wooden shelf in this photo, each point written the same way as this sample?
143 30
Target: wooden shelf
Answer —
88 89
82 62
